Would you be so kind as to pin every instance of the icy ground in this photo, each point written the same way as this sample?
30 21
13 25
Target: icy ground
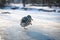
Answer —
45 25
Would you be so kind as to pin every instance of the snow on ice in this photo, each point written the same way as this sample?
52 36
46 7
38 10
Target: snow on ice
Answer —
45 25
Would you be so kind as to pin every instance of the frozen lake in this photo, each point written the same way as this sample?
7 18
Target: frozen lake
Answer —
45 25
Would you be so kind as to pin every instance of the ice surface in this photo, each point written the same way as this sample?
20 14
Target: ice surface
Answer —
45 25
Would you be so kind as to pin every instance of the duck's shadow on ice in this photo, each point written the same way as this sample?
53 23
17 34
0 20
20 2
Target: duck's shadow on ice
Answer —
37 35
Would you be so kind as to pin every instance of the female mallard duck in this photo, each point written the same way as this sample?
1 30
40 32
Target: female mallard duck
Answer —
25 21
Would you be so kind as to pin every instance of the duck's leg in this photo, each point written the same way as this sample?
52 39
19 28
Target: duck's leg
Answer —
30 23
25 28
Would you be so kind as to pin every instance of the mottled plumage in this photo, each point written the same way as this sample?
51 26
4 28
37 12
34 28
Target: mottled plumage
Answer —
25 21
